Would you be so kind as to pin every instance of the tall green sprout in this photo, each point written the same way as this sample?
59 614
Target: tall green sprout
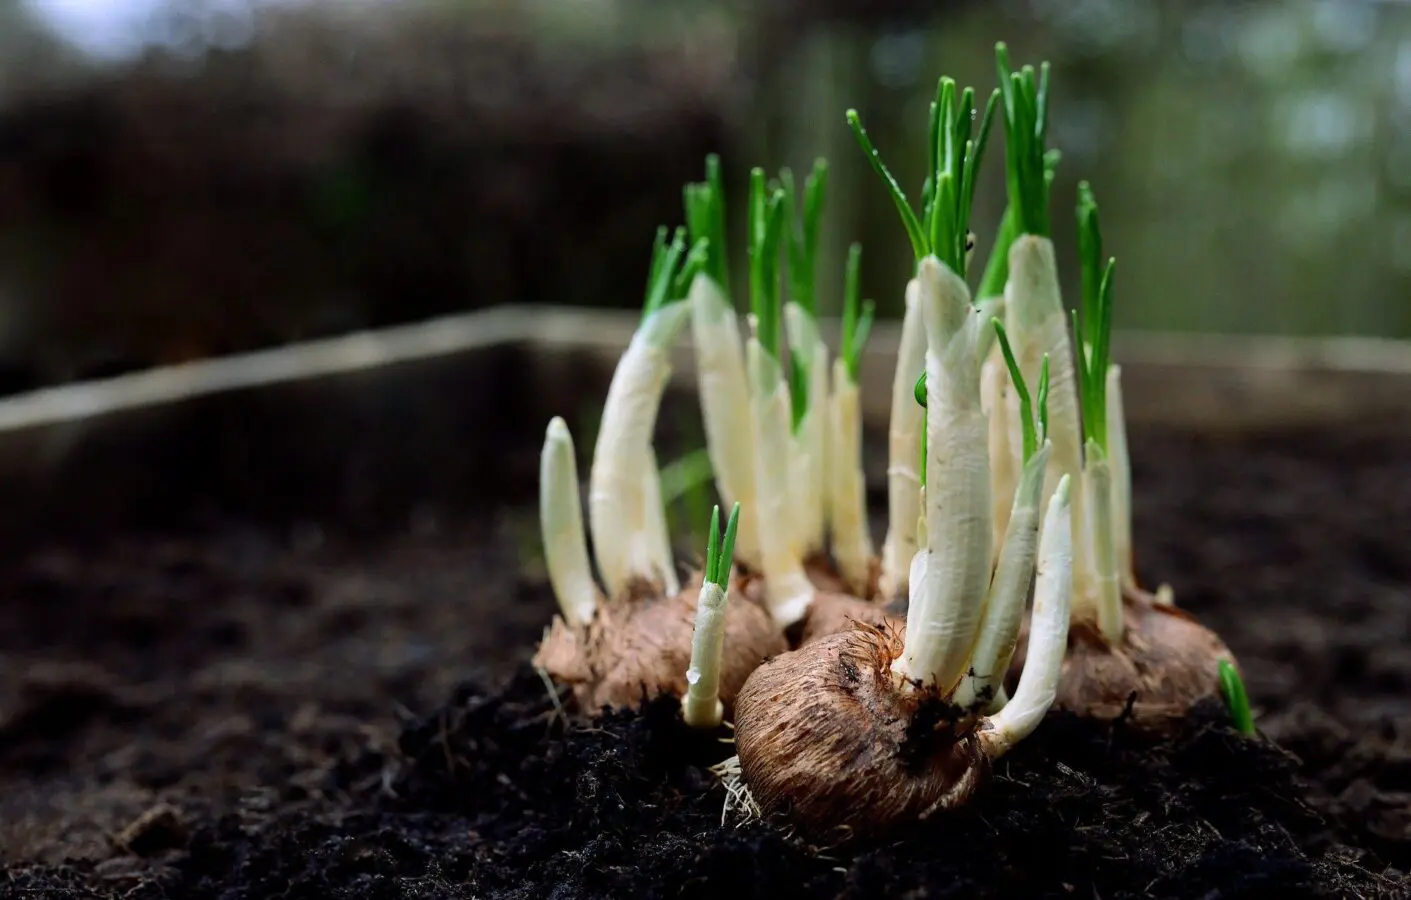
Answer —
1092 321
766 229
669 279
705 219
857 314
953 162
1025 132
802 256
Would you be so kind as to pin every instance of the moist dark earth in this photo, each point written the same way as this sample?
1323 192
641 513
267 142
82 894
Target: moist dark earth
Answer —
237 712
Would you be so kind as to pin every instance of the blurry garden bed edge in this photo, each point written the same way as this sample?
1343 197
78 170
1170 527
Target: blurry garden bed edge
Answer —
354 426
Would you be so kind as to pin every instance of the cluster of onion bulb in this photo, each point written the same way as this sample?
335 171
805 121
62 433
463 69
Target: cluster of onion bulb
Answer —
869 690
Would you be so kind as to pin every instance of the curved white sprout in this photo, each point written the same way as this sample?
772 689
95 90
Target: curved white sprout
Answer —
904 450
847 500
561 527
946 606
617 491
725 406
1048 632
1009 592
701 707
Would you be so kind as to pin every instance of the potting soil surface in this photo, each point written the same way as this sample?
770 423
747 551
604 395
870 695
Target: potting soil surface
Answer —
238 713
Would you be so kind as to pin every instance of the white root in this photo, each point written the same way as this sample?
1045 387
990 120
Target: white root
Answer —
654 524
809 441
561 527
701 707
1120 461
946 606
725 407
904 452
1048 633
1009 592
617 502
1100 546
847 505
788 590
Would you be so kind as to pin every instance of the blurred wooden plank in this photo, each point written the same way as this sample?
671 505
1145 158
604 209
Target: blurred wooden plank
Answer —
366 429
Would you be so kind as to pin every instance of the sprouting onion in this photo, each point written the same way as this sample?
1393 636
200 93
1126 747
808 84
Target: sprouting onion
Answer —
861 728
632 641
701 706
942 228
625 525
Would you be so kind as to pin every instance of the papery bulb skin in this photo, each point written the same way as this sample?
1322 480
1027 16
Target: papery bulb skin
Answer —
638 647
830 738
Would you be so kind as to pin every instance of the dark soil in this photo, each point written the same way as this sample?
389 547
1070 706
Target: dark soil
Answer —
251 715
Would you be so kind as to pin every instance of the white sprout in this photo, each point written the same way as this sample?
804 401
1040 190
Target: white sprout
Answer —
1048 633
561 526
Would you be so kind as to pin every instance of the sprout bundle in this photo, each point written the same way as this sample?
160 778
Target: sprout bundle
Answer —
1007 475
632 640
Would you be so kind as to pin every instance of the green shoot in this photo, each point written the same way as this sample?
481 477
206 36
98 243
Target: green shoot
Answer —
997 267
802 254
953 160
667 279
705 219
766 227
1033 436
1025 130
912 224
857 314
1093 327
803 240
1232 687
720 552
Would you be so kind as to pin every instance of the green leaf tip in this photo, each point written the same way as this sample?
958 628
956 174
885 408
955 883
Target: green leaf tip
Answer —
953 155
766 228
1025 132
914 232
802 256
720 553
1092 321
1034 434
705 218
803 237
668 279
1232 687
713 546
857 314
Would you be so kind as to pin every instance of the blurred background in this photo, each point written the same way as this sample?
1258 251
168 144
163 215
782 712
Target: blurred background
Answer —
184 178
